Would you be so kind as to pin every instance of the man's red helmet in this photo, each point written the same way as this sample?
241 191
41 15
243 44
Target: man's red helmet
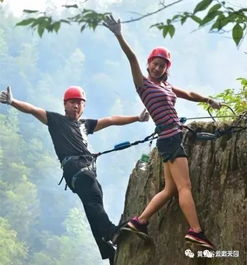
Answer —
74 92
162 53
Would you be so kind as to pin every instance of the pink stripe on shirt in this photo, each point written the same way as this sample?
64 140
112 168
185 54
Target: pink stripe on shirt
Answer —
160 101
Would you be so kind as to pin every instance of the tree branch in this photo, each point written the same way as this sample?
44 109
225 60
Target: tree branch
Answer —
152 13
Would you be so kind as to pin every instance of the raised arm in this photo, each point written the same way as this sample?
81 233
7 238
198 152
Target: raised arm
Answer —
189 95
7 98
121 120
115 27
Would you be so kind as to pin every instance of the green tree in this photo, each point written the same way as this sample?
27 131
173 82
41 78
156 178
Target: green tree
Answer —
75 247
18 195
31 201
12 251
236 100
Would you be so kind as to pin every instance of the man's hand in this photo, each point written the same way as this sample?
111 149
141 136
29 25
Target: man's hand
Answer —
214 104
113 25
6 96
144 116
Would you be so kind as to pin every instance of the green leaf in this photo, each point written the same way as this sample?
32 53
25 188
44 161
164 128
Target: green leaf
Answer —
175 17
83 27
237 33
223 23
220 23
214 8
230 9
171 30
56 26
38 21
158 25
165 31
40 30
71 6
183 19
30 11
25 22
202 5
65 21
196 19
233 17
168 21
44 21
209 17
243 81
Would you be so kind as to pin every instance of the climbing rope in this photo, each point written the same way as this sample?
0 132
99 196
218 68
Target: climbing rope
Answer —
201 136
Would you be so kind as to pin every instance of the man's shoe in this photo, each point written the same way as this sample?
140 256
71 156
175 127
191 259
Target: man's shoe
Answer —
198 239
113 237
111 260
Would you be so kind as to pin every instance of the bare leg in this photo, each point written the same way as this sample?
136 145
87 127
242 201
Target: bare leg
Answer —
180 174
160 198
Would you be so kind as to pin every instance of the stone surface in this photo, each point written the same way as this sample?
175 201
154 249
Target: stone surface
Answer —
218 171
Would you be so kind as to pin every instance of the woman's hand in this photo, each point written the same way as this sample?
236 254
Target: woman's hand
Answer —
214 104
113 25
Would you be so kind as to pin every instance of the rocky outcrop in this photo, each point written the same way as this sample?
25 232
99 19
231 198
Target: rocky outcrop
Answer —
218 171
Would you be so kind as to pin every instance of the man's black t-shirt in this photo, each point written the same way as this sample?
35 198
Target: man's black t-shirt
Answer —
70 137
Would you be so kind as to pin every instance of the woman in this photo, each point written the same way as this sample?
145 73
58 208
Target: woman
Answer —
159 98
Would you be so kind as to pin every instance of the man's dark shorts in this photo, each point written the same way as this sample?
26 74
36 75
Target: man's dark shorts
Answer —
171 147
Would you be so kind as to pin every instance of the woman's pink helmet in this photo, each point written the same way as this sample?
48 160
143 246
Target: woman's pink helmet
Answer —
162 53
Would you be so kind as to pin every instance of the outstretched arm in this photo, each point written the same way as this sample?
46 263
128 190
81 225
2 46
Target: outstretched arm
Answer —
115 27
121 120
189 95
7 98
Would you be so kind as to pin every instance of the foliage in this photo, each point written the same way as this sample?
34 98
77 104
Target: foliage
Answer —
237 100
20 209
18 195
12 251
214 13
86 18
75 247
33 207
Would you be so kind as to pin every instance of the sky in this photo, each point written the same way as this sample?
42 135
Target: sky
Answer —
202 62
17 6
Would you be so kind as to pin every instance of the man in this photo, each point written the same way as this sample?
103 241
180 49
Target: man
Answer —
69 136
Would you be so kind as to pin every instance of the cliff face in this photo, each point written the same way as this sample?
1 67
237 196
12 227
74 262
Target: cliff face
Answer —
218 171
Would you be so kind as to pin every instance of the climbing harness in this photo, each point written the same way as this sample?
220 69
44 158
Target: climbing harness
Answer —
75 177
160 127
90 167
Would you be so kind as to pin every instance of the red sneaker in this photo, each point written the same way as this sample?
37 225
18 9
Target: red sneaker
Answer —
135 224
198 239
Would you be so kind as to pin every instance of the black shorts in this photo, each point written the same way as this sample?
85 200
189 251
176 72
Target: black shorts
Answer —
171 147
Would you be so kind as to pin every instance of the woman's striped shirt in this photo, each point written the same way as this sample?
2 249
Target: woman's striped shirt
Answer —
160 101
